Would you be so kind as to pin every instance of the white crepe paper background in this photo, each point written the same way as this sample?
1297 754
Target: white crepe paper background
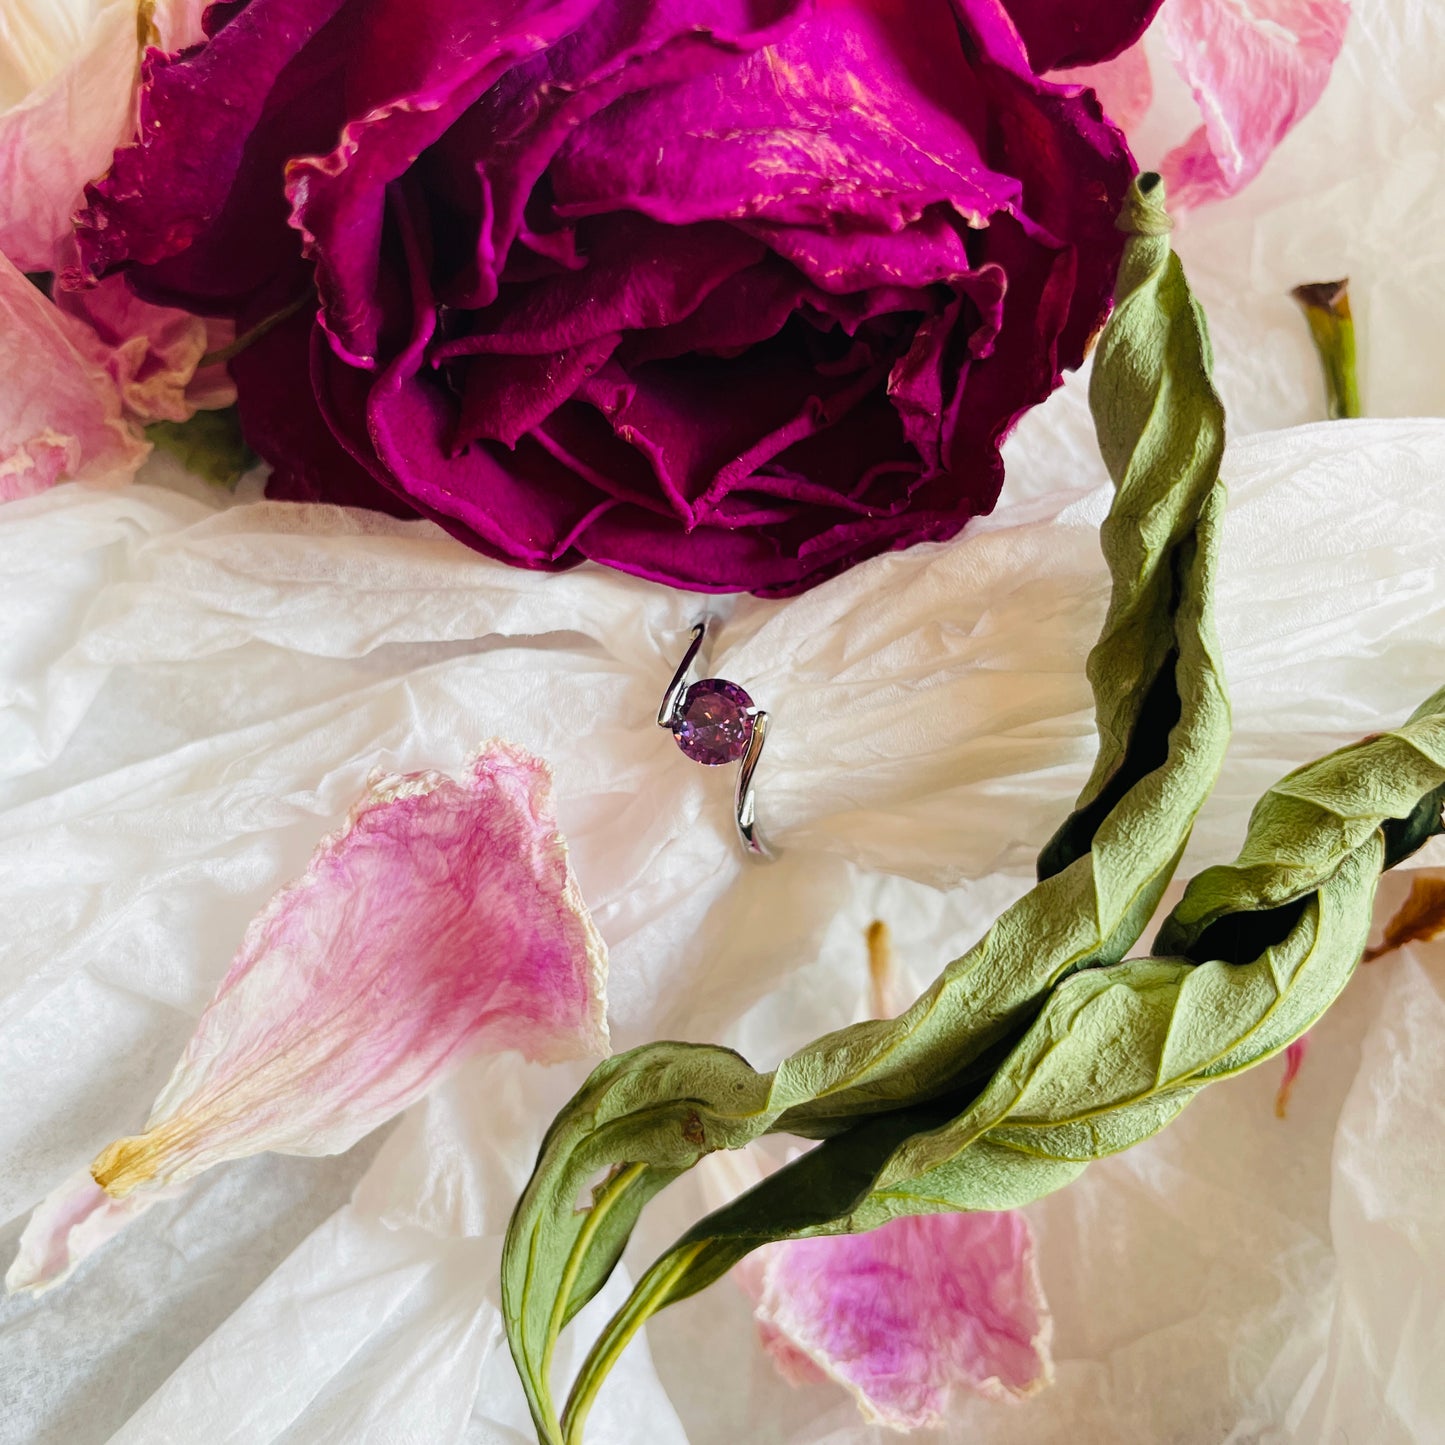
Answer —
191 695
202 736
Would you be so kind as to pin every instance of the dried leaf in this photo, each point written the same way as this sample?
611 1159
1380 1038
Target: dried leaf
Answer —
1164 723
1041 1049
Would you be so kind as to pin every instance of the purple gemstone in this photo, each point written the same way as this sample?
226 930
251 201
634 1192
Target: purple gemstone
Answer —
715 723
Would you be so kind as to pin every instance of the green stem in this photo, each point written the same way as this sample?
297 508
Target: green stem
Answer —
645 1301
248 338
607 1196
1326 305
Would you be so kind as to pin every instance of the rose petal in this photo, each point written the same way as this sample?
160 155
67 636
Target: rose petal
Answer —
1061 33
60 413
205 147
404 90
1255 71
902 1315
804 133
639 275
65 105
153 351
279 417
178 23
492 159
443 919
62 133
1294 1057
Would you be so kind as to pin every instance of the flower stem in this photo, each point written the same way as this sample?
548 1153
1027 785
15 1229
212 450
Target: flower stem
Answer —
650 1295
1326 305
607 1196
247 338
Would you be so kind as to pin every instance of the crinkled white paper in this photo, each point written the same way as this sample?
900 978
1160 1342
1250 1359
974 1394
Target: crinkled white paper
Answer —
191 694
227 678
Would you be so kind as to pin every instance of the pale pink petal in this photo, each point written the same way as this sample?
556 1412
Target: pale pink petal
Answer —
60 413
61 133
67 101
177 23
1124 85
152 352
72 1222
1256 67
903 1315
900 1316
442 920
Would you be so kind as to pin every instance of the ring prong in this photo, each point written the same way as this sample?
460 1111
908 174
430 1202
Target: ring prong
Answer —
747 818
667 713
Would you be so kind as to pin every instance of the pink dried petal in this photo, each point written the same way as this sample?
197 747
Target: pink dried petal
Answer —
1124 85
61 134
1255 69
152 352
60 413
71 1223
442 920
902 1315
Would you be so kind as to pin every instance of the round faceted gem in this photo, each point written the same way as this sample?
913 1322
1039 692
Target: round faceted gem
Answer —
715 723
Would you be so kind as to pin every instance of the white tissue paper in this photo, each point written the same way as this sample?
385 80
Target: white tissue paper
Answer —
193 691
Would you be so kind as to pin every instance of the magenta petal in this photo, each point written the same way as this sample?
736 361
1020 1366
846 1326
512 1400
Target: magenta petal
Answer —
443 919
1255 71
405 87
636 281
803 133
903 1315
639 275
1061 33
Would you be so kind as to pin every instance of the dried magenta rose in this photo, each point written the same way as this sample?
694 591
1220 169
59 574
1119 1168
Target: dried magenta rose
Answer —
726 293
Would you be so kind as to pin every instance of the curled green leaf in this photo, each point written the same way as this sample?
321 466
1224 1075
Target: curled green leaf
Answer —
647 1116
1041 1048
1117 1051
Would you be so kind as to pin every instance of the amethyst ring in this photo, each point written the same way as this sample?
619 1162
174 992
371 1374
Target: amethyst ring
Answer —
716 722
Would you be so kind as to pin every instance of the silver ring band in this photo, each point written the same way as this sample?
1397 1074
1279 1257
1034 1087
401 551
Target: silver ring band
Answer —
715 722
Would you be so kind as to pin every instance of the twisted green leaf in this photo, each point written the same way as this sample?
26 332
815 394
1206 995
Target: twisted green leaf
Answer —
1117 1051
647 1116
1038 1050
